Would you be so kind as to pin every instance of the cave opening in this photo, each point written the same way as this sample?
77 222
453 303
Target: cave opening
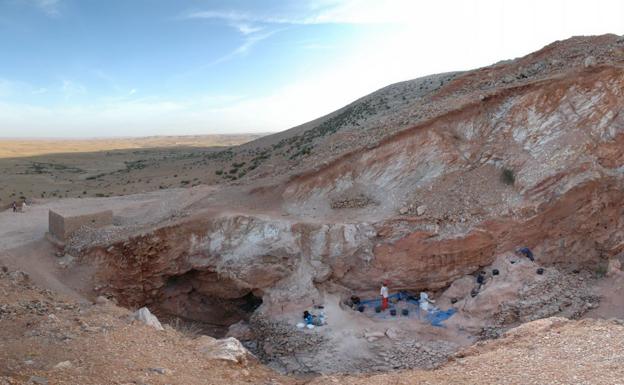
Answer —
202 302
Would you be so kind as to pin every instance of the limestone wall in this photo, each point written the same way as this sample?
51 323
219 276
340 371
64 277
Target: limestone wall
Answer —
61 226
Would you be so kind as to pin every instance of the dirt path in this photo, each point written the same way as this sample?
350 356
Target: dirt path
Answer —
39 261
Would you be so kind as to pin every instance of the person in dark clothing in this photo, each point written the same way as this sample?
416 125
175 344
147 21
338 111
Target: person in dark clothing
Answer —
307 318
14 205
527 253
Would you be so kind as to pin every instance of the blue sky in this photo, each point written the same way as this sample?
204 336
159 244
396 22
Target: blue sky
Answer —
153 67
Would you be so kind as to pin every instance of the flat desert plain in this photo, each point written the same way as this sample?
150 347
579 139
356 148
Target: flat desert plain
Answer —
34 169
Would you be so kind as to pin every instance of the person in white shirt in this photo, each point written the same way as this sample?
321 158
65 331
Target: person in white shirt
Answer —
384 296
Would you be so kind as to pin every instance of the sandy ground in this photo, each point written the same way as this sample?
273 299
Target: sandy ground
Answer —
548 351
49 338
43 169
13 148
22 235
611 291
99 344
20 228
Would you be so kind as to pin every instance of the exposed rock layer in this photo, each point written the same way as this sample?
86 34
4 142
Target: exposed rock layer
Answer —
534 162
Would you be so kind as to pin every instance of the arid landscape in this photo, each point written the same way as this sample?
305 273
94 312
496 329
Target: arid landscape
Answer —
489 201
76 168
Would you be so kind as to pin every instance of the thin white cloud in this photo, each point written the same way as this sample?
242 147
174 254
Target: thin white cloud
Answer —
328 12
246 28
49 7
13 88
242 49
71 88
132 91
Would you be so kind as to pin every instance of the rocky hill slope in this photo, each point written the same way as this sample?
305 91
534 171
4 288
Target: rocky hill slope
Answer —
425 184
520 153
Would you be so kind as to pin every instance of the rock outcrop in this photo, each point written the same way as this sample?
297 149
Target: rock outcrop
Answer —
145 316
522 153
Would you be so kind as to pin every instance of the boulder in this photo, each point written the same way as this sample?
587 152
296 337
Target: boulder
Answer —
420 210
614 267
590 61
241 331
161 370
373 334
101 300
393 334
226 349
63 365
38 380
145 316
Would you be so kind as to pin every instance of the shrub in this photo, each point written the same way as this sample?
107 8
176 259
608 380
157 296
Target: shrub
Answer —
508 177
601 270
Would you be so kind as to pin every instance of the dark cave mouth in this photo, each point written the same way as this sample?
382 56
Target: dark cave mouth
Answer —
205 303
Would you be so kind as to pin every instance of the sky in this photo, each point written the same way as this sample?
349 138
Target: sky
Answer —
111 68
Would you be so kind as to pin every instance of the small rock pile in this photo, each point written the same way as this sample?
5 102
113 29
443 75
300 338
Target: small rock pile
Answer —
277 343
562 294
358 201
411 354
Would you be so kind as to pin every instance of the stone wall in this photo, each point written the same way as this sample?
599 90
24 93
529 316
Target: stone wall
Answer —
61 225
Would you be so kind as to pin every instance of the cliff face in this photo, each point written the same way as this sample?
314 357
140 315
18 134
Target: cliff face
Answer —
535 162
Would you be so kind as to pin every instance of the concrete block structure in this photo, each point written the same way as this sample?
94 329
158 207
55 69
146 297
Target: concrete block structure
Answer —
63 224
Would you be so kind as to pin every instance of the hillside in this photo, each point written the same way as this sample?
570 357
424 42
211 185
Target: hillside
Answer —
495 193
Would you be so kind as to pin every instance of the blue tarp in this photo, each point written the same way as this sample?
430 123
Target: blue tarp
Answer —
435 317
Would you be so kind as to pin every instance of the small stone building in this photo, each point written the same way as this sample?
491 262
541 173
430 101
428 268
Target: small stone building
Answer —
62 224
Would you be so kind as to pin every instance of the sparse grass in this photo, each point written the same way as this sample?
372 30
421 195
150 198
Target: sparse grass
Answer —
601 270
188 328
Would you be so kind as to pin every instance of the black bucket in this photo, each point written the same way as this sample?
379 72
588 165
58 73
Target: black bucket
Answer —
495 272
405 312
378 309
540 271
361 308
393 312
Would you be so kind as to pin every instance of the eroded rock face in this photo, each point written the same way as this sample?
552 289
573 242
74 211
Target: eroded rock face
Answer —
206 266
537 164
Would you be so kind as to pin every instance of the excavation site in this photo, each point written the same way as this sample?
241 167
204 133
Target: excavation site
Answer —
459 223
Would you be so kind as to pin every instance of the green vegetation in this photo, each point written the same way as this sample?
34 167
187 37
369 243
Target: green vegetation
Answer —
508 177
302 144
48 168
601 270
